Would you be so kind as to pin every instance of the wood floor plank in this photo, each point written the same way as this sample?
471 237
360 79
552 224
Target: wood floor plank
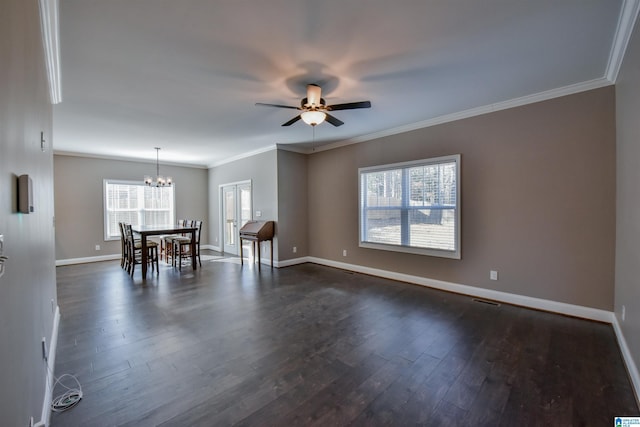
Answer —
312 345
387 408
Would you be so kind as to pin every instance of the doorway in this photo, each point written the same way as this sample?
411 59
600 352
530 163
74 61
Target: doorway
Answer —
236 211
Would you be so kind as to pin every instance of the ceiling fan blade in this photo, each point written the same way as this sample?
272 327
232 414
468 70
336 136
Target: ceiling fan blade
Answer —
349 106
333 120
261 104
292 121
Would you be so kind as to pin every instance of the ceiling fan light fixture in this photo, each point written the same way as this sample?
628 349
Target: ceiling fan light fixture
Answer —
313 118
314 109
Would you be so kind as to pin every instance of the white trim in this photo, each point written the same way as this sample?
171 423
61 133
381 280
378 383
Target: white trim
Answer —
244 155
85 260
515 299
245 181
626 22
221 205
264 261
516 102
632 369
472 112
520 300
49 25
140 186
127 159
428 251
290 262
294 148
50 364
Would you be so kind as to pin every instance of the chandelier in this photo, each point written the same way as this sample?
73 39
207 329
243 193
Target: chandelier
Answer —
160 181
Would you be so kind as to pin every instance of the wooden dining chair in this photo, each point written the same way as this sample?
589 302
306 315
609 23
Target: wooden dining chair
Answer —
167 243
182 245
123 245
175 241
125 260
134 252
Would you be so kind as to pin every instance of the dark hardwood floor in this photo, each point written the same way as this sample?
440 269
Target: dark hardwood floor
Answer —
312 345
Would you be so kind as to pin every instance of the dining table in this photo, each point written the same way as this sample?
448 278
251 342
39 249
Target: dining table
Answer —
157 230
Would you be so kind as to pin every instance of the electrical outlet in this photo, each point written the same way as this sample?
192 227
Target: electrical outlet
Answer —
344 252
295 249
493 275
624 312
258 214
97 247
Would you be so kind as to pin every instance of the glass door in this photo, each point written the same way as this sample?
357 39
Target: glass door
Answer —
236 211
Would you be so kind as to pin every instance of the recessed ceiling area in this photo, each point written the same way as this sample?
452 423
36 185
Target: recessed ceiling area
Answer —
185 76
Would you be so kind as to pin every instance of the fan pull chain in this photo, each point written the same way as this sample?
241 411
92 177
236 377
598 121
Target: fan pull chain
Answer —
313 141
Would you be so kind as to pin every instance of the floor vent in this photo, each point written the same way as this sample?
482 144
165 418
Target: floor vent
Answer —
484 301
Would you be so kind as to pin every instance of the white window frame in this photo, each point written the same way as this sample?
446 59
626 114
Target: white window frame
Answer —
140 211
455 253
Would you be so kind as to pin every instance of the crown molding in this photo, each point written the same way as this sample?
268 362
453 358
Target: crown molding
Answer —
126 159
244 155
49 25
293 149
626 22
472 112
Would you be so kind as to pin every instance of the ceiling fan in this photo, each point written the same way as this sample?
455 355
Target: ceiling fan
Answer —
315 110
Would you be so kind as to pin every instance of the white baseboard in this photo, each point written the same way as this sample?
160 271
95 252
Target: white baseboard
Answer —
111 257
515 299
50 364
509 298
289 262
632 369
71 261
520 300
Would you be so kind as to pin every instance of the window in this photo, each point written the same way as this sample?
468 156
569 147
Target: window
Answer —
136 204
412 207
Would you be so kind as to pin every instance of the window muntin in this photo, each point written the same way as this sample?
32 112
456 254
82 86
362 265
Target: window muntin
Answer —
136 204
412 207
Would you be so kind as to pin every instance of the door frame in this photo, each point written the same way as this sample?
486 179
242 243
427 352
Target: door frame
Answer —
221 210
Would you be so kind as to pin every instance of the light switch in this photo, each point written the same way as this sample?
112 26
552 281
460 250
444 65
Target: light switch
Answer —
2 257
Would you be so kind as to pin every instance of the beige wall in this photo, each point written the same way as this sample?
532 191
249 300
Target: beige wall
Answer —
292 205
261 169
79 200
627 289
28 287
538 199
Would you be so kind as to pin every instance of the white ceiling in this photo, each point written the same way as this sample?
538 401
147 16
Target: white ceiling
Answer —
185 75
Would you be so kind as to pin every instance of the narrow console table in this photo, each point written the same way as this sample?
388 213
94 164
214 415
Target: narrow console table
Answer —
256 232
